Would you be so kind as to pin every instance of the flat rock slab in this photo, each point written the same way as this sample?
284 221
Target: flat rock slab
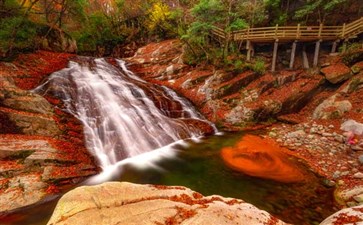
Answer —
337 73
126 203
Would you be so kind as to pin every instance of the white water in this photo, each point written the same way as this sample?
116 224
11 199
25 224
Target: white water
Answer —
120 119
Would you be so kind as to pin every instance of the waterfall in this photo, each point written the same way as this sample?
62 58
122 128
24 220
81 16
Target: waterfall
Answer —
123 115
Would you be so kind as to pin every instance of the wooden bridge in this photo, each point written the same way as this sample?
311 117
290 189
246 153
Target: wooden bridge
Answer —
293 34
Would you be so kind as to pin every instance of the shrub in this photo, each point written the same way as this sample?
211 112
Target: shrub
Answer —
259 66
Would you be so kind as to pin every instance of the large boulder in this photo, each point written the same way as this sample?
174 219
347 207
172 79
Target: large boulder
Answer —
337 73
331 108
59 41
353 215
126 203
25 112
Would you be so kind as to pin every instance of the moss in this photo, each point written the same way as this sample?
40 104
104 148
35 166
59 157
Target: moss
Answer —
354 84
21 155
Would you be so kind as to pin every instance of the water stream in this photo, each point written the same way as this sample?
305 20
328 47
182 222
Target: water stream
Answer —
123 116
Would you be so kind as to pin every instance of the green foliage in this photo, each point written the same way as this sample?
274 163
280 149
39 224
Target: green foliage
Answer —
259 66
21 38
98 33
353 53
318 7
237 24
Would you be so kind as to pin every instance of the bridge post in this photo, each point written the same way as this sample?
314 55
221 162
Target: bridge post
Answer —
344 47
292 58
316 54
249 50
305 58
334 47
274 55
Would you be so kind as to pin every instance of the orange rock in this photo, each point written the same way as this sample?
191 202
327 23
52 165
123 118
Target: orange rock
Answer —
259 157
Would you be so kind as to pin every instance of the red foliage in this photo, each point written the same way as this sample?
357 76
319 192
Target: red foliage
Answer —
346 219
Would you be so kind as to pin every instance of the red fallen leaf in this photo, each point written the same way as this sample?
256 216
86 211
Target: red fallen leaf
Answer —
52 189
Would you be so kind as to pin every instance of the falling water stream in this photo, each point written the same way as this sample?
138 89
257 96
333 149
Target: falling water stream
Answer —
123 116
129 122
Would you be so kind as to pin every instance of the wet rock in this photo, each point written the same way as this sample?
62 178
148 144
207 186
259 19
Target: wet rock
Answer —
127 203
337 73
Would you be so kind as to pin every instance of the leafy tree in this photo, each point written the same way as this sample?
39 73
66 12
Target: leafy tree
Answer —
322 8
17 30
209 14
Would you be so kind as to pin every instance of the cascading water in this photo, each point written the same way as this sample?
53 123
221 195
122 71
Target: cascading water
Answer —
123 116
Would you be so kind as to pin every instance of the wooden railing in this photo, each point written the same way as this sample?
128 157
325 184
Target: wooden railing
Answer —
300 33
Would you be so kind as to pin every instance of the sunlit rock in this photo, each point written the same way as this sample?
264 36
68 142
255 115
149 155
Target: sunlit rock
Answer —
126 204
353 215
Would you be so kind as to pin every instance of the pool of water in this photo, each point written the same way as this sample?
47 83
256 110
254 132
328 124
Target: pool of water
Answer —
199 166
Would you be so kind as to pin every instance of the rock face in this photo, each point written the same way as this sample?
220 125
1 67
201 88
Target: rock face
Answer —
41 149
126 203
28 113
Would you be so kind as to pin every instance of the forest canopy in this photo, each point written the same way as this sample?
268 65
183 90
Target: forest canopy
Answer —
98 26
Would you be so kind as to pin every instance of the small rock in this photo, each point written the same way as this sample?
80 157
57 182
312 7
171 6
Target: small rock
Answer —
331 126
329 183
358 175
345 173
351 204
325 134
341 182
324 139
272 134
358 198
313 130
336 174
